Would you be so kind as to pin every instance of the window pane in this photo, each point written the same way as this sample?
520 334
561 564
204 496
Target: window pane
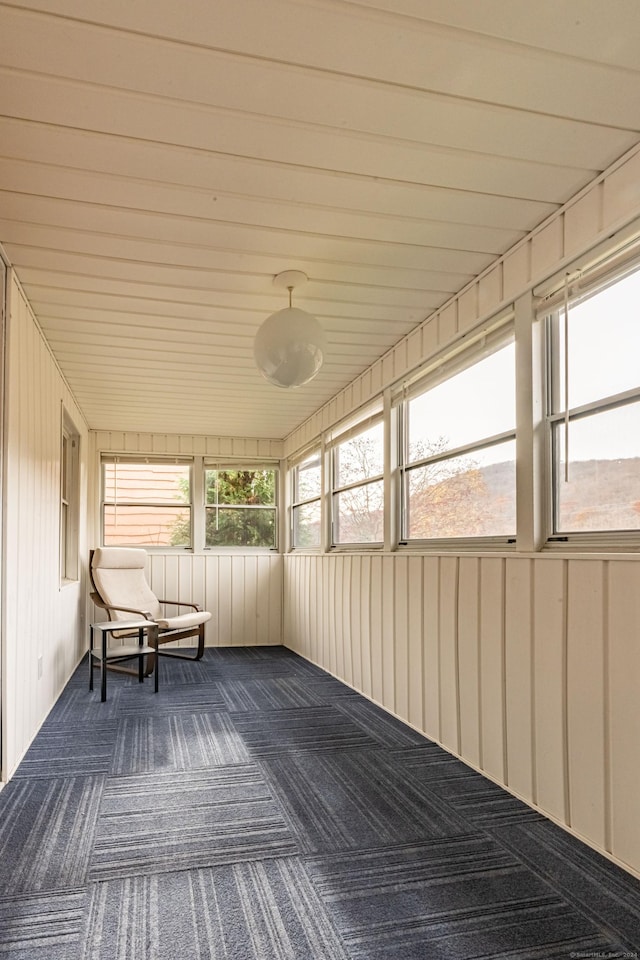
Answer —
476 403
358 514
306 525
238 527
603 492
360 457
64 463
64 524
308 479
246 487
147 482
469 496
604 344
147 526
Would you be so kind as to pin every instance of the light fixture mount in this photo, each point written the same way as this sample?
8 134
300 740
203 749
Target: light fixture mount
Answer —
290 279
290 346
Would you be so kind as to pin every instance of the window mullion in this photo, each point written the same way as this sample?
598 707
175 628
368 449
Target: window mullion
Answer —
358 483
464 450
607 403
198 500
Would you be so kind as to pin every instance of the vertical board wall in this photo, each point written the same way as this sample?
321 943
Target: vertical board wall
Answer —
41 618
526 668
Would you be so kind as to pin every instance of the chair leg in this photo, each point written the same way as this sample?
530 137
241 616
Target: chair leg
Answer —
140 658
200 642
103 669
91 658
183 656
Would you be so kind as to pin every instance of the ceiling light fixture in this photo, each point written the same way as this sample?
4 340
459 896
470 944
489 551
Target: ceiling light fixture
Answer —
290 346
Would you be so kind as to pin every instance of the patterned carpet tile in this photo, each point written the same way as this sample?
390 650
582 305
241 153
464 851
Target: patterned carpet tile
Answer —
472 796
140 700
386 730
249 655
63 751
42 927
185 671
279 693
176 742
328 689
449 900
432 763
265 910
46 833
352 800
580 875
258 809
162 821
78 707
269 733
263 663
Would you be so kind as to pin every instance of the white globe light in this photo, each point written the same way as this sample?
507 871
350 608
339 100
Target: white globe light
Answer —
289 348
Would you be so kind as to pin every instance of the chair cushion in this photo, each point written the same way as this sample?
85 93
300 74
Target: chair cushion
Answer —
119 576
184 621
118 558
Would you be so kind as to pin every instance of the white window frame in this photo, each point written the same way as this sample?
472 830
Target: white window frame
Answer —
556 412
296 502
142 459
198 507
444 369
335 490
69 500
209 463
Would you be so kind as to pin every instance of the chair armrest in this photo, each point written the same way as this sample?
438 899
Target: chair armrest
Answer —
182 603
99 602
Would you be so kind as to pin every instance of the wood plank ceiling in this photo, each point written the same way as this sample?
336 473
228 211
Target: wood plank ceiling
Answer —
160 162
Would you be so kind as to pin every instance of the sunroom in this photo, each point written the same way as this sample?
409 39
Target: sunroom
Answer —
446 517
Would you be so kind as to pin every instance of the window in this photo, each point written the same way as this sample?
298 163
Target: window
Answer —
241 506
306 509
594 409
358 488
146 502
69 499
457 462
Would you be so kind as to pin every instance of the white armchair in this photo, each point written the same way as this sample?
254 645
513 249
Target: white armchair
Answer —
120 587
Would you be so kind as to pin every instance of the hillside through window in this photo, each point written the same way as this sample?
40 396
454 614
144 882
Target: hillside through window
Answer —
306 508
458 456
358 488
594 415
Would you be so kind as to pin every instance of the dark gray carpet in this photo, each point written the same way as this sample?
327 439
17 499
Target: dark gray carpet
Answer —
258 809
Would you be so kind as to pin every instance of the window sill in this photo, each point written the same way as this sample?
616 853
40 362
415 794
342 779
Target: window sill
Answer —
68 583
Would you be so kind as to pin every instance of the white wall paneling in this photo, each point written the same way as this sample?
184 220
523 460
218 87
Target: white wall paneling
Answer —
525 667
586 660
44 640
468 667
550 687
243 592
623 715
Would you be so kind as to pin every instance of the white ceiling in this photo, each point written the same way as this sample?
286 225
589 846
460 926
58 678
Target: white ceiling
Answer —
160 162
